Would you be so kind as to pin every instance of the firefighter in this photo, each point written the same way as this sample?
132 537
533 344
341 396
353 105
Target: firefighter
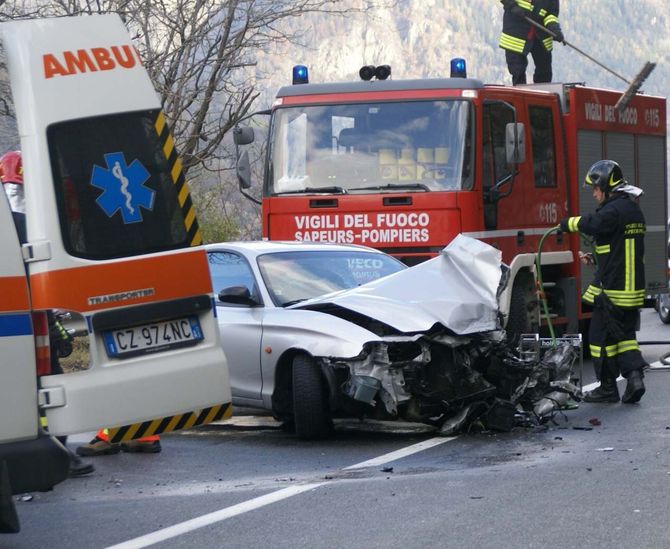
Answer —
11 176
618 288
519 37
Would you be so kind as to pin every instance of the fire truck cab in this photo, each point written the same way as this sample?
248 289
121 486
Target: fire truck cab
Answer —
406 165
113 241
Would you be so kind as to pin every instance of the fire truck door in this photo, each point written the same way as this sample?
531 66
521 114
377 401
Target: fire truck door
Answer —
504 185
546 199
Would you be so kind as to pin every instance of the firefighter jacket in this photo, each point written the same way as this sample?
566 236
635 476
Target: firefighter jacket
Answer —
517 33
618 227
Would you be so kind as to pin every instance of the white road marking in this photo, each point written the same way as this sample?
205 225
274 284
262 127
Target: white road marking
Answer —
273 497
595 384
403 452
216 516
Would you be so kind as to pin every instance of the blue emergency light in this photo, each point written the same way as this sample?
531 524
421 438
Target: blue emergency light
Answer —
458 68
300 75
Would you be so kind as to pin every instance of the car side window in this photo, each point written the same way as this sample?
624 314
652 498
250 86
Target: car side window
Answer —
229 269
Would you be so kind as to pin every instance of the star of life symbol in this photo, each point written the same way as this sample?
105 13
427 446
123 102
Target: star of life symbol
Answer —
123 187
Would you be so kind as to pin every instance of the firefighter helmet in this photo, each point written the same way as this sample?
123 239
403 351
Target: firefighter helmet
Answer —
606 175
11 167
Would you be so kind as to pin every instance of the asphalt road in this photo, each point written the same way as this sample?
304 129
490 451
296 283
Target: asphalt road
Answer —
248 484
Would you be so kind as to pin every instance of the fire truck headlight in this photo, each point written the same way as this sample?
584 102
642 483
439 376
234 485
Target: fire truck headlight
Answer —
300 75
458 68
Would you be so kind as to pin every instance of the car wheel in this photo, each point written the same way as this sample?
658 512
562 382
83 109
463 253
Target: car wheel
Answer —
311 419
523 300
664 309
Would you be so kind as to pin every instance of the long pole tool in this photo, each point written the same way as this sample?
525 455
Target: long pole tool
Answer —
633 85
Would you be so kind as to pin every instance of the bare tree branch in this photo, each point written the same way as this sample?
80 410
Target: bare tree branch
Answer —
201 56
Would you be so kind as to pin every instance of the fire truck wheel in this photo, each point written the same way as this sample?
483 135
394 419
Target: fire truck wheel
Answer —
311 418
521 320
663 309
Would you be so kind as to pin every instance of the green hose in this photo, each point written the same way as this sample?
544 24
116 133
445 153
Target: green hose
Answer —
540 283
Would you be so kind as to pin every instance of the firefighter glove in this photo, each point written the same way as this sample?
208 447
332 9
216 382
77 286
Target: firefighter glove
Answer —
564 225
555 28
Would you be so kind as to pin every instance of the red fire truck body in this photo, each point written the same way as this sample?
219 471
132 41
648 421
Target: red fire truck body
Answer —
406 165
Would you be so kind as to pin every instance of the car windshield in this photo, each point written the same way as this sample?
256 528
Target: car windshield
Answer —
291 277
371 147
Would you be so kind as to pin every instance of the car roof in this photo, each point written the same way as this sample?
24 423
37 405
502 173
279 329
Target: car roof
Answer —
259 247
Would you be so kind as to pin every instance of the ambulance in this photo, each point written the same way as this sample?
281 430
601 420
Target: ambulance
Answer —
112 239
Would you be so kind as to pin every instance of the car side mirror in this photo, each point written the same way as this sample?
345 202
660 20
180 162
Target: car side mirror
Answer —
237 295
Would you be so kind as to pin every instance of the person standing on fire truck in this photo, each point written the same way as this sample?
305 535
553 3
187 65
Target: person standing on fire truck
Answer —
617 291
519 37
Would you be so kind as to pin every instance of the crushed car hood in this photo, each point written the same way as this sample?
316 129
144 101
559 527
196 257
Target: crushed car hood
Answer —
457 289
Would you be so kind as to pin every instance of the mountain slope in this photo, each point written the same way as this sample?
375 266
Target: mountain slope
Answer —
419 37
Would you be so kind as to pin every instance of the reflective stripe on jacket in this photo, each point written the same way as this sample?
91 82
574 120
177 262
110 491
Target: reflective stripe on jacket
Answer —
517 31
618 227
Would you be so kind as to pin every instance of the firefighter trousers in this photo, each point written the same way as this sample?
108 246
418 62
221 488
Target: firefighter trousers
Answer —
613 356
517 63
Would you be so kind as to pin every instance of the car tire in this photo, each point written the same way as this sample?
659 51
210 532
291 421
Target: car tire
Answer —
311 418
520 321
664 309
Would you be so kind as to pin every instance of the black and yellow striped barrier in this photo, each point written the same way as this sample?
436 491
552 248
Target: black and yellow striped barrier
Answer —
170 423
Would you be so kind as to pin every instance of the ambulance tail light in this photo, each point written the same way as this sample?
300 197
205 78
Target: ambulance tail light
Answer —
42 348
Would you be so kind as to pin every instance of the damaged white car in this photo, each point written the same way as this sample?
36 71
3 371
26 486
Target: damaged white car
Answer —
318 331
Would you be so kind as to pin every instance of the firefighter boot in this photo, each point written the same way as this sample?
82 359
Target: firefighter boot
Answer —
78 467
606 392
98 447
142 446
634 387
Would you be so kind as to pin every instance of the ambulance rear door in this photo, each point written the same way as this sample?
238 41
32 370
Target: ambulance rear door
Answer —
18 391
112 235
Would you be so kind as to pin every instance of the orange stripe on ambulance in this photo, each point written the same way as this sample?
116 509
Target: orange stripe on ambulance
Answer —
90 60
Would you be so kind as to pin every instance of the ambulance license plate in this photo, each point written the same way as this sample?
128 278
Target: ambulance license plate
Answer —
150 338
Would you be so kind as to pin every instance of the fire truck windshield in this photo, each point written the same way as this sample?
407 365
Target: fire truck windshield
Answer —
357 148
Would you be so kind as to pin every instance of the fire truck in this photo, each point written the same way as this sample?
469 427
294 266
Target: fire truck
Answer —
406 165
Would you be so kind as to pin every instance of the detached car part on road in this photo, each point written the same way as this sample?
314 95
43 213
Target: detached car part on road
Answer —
316 331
